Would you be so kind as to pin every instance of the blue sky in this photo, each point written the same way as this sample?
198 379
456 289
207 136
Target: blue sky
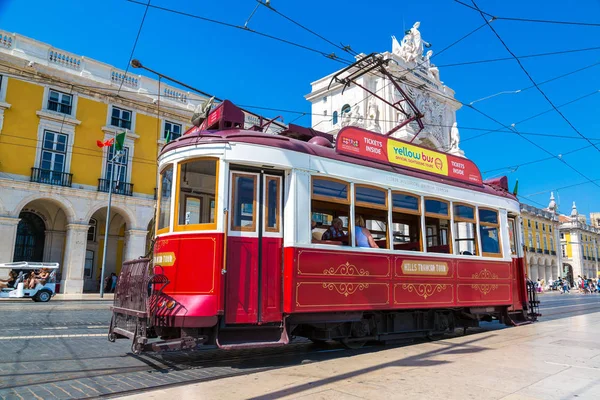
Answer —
252 70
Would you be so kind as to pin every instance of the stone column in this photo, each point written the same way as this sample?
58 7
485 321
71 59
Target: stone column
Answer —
54 245
135 244
72 279
8 233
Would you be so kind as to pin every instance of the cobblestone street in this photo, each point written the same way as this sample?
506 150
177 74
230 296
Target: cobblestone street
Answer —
59 350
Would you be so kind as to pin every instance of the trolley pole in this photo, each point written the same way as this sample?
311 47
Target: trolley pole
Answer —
110 181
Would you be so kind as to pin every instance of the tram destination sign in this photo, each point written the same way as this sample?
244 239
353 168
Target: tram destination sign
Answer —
371 146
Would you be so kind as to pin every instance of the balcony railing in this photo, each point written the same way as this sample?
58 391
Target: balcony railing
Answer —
124 188
51 177
546 251
538 251
553 252
532 249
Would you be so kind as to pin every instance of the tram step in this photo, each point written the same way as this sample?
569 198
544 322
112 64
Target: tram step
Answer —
240 338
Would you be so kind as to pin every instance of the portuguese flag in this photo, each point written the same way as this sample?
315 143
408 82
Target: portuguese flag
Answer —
118 143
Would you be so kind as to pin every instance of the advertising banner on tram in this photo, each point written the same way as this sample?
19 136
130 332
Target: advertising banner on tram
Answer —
372 146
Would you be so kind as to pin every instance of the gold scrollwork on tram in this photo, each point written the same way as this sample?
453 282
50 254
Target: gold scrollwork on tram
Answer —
484 274
424 290
345 289
346 269
484 288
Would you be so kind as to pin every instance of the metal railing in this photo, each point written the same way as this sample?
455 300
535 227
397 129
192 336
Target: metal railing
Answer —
123 188
51 177
538 251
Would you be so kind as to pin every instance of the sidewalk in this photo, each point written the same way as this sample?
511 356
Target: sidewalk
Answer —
548 360
84 297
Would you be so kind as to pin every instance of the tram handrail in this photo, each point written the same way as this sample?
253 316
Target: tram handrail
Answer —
225 230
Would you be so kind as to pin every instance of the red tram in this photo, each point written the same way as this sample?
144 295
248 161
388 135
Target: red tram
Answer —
241 259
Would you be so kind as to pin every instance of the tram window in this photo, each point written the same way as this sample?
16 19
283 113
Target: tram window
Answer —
406 220
243 202
272 203
164 202
197 185
464 229
437 225
330 200
513 238
489 229
371 204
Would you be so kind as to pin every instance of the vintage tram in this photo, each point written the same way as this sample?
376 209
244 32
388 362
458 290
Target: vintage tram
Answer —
241 258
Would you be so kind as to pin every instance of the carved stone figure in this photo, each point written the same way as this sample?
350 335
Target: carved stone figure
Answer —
373 117
454 138
411 48
357 118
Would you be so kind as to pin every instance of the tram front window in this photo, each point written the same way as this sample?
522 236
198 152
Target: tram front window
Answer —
164 207
437 223
330 201
197 183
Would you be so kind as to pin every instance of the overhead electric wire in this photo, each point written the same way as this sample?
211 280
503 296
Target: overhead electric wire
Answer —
537 86
553 53
223 23
134 46
541 21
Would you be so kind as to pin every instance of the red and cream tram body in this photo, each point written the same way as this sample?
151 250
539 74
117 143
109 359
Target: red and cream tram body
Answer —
242 258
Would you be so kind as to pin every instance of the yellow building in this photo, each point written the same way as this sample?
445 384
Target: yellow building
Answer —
54 107
540 231
579 245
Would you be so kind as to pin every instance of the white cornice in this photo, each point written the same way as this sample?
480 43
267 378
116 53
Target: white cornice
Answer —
58 117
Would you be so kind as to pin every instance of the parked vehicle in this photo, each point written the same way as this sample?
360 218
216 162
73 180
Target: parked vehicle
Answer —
35 280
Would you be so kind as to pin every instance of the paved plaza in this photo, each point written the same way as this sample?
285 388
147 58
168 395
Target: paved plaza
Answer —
59 350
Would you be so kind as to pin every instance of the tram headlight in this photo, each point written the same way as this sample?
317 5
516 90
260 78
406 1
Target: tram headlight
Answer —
170 304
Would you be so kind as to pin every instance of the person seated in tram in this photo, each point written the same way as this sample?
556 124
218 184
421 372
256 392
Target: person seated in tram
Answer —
10 282
335 231
489 244
40 278
363 235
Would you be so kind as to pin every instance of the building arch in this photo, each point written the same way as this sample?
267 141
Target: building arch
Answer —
30 238
58 201
125 213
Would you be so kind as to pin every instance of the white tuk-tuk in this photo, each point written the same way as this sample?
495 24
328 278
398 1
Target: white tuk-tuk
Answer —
44 288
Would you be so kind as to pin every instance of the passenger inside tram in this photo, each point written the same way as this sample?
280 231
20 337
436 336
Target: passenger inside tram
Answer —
335 231
363 235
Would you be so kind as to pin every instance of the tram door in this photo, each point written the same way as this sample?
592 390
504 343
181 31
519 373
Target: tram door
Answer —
254 248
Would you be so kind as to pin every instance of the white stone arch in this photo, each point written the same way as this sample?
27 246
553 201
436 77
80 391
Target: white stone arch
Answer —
126 214
62 202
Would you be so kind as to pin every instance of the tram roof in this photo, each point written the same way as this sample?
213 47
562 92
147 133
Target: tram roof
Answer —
198 137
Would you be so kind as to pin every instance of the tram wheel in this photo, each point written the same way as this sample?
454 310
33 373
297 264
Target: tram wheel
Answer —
353 344
136 348
112 337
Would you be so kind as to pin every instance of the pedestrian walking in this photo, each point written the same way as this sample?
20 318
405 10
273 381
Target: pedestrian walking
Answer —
113 280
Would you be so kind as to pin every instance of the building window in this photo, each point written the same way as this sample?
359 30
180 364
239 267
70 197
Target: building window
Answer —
549 228
92 230
562 235
335 117
529 223
325 99
563 249
325 112
545 243
120 118
551 244
346 109
544 227
89 264
537 241
530 240
536 225
54 152
120 165
173 128
60 102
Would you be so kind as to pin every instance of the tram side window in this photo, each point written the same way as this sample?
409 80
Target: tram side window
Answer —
164 207
437 225
371 205
489 229
406 220
197 188
330 205
465 229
